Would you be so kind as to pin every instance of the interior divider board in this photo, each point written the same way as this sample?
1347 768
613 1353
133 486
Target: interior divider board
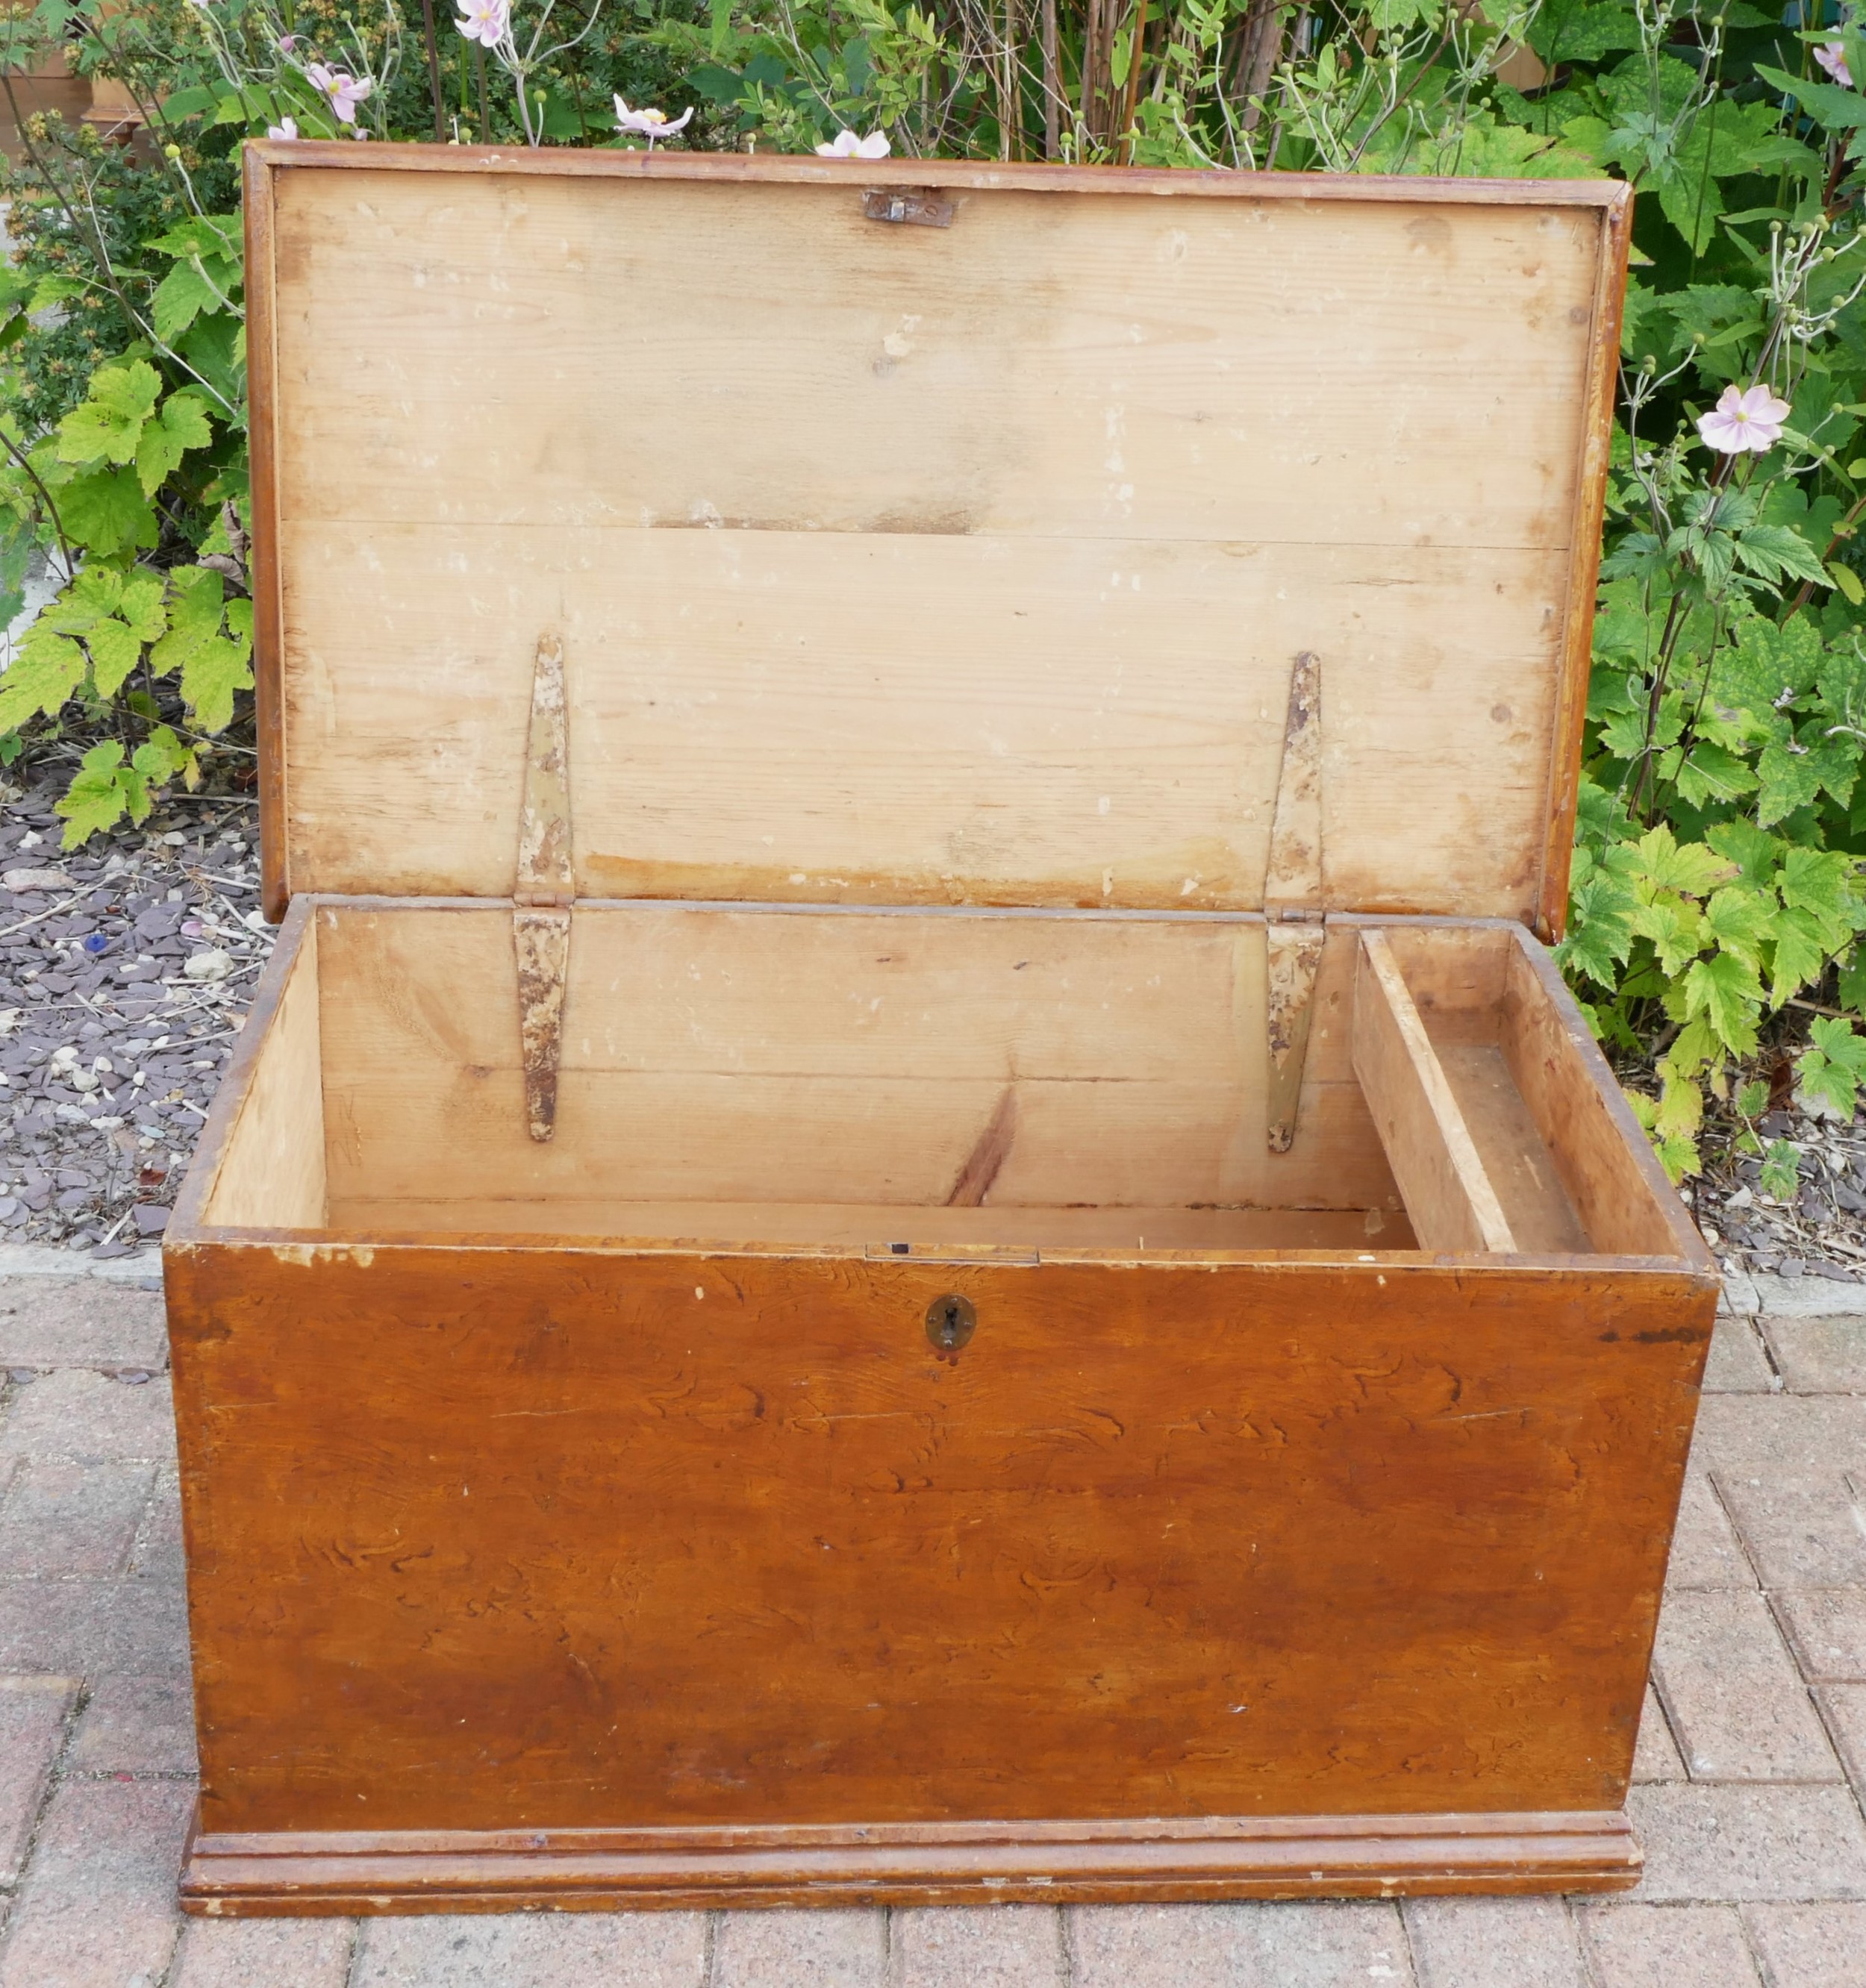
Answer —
1449 1196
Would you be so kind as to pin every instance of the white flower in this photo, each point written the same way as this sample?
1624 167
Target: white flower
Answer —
1744 420
287 129
651 124
846 145
1832 57
484 20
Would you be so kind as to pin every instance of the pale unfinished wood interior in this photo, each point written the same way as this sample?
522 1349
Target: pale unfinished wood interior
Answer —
899 565
802 1078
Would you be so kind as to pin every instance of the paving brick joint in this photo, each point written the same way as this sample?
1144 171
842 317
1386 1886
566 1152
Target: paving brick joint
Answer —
1747 1793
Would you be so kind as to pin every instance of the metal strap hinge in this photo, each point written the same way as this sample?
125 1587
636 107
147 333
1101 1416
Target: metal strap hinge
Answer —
1295 924
545 890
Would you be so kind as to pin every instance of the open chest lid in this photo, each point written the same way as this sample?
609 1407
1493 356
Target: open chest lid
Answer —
924 533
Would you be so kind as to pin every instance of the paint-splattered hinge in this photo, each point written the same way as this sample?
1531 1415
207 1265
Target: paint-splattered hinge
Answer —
546 888
1294 923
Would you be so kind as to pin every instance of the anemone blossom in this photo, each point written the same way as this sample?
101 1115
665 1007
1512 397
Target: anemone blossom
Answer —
650 123
344 91
1751 419
846 145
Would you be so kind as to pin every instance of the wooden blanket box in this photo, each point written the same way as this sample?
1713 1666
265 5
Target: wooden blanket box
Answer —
911 1213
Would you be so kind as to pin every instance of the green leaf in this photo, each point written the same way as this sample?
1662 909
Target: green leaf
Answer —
1834 1066
183 426
1714 773
1691 867
209 678
1674 928
48 668
179 298
104 790
1790 779
1599 928
1839 109
106 512
1755 854
1764 664
1816 879
114 653
194 616
1800 954
106 426
1740 920
1727 991
210 236
141 605
1853 980
212 667
1781 1171
1775 550
1752 1098
1847 581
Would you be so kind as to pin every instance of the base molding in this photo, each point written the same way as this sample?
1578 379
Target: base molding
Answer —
1174 1860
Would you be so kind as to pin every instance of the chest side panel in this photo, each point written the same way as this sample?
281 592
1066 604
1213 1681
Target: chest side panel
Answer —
493 1540
924 565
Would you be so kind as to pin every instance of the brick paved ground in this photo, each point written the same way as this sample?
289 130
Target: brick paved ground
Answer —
1752 1761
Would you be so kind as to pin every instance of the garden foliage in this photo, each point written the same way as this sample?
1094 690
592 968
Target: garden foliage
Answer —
1719 884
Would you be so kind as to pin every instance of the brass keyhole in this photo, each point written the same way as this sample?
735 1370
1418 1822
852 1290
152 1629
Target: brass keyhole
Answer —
950 1324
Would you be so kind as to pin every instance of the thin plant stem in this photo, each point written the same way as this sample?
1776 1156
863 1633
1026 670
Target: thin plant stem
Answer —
434 71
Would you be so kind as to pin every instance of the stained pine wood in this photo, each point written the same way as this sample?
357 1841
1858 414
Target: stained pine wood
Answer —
1329 1556
592 1521
372 1872
1248 426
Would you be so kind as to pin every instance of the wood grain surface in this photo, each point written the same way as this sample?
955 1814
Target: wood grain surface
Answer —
478 1536
1442 1178
1087 470
1221 1856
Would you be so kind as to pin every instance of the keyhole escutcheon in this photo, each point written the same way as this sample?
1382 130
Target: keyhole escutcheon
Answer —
950 1323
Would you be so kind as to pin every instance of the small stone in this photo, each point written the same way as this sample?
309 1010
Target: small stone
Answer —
1791 1266
36 879
150 1220
133 1376
213 964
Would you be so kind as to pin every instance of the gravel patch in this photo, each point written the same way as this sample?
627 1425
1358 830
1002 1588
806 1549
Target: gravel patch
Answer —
1821 1231
126 970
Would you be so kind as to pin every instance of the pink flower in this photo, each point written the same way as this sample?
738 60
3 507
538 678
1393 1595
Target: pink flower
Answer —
484 20
287 43
652 124
1741 420
846 145
1832 57
288 128
342 89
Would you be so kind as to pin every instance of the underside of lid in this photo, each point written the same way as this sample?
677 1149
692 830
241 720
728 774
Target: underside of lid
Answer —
895 562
